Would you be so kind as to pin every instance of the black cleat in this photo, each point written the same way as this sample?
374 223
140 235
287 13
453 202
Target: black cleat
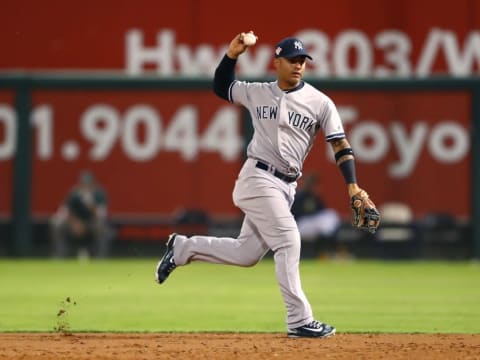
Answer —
167 264
315 329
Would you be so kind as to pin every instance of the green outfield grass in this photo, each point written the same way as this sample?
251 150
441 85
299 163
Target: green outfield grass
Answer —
121 296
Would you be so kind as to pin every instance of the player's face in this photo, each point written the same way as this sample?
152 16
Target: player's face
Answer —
289 71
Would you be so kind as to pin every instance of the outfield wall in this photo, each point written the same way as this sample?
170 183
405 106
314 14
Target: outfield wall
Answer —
183 147
105 130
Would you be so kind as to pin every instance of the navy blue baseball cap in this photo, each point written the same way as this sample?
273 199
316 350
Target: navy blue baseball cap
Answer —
290 47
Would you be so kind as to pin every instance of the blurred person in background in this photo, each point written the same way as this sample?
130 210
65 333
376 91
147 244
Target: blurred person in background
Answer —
314 218
81 221
316 222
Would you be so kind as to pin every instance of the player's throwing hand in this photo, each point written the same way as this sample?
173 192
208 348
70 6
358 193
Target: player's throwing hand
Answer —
238 46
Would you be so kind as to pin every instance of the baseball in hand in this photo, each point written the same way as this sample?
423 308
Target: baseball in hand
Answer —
249 39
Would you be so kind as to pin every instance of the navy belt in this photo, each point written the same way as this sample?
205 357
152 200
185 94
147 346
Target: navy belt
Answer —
275 173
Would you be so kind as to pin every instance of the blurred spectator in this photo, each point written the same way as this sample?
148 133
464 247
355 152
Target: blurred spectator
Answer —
81 222
315 220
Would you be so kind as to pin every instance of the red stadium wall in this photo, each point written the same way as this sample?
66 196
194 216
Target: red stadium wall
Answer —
156 152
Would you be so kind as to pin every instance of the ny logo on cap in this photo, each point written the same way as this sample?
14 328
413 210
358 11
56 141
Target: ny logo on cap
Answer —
298 45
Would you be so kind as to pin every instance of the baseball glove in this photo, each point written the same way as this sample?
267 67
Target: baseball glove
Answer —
365 214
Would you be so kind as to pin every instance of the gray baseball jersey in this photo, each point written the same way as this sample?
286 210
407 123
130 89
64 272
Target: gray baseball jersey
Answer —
286 123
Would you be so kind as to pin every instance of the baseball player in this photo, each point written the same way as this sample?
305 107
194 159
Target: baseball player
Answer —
287 115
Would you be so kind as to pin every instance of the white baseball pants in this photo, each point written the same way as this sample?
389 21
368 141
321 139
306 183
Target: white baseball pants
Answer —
268 224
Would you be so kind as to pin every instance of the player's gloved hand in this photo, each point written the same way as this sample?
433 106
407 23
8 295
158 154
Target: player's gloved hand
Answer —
365 214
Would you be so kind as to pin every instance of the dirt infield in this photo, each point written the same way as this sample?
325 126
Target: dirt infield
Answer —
236 346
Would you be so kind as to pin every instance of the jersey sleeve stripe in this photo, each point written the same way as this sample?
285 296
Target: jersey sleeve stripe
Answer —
335 136
230 97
